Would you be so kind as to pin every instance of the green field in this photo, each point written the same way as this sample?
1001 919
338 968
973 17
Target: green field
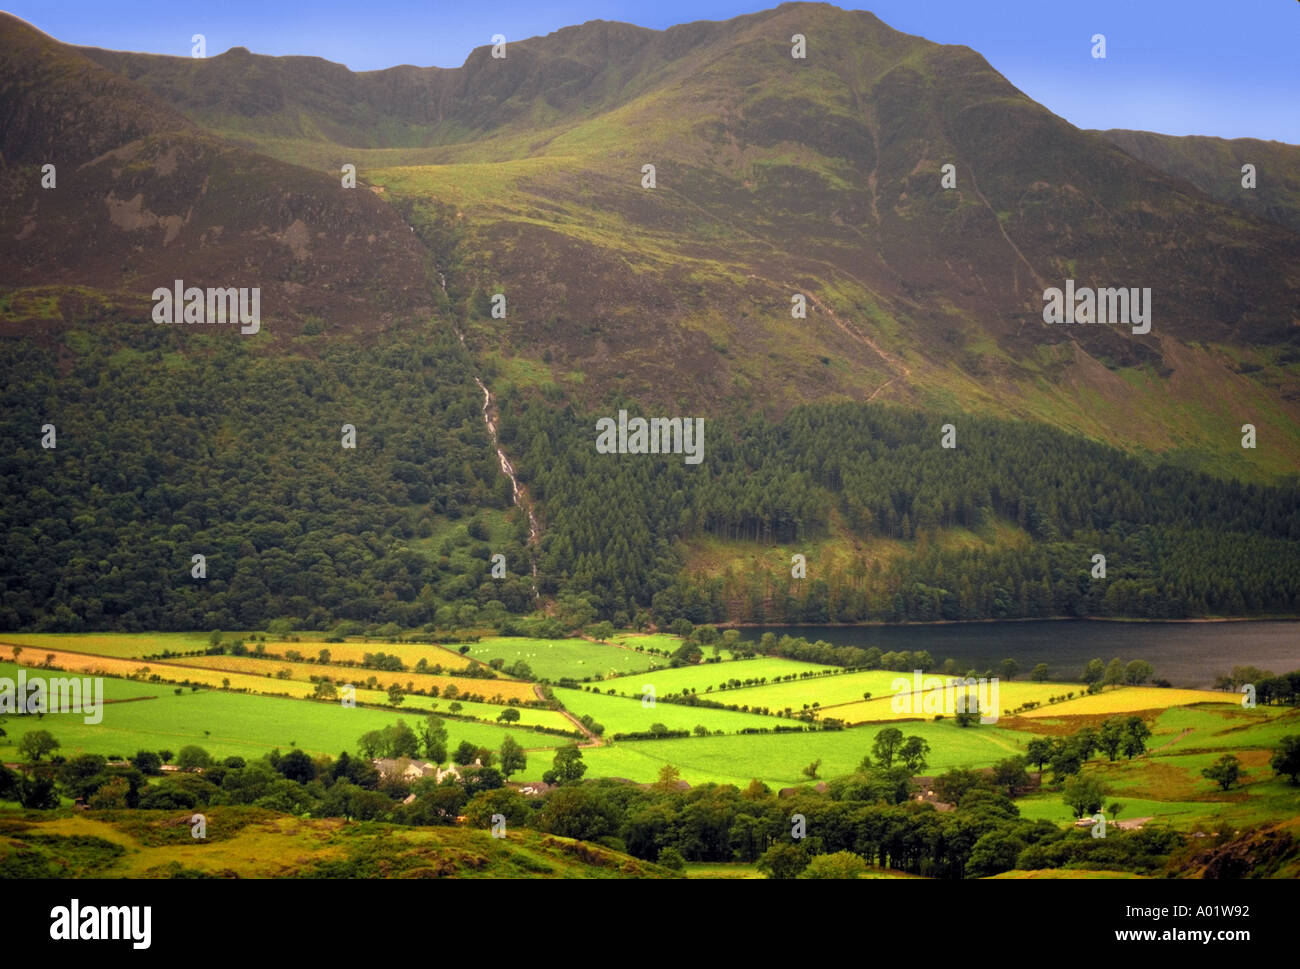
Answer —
551 659
488 712
1222 727
777 759
1178 776
136 645
626 715
114 689
664 641
1165 784
708 677
122 645
1049 807
228 724
255 674
1172 791
826 690
503 687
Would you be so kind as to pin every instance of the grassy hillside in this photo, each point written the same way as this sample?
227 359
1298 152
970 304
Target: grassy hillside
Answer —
253 843
777 176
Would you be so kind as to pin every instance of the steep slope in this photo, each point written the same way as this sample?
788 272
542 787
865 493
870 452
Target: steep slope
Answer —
777 176
143 197
1214 166
576 70
523 177
48 91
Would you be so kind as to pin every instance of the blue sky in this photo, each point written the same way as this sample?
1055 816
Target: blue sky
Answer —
1228 67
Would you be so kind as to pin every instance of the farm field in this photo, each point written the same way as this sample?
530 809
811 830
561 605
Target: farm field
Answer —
116 688
172 673
668 643
777 759
354 652
834 688
625 715
1126 699
708 677
138 645
552 659
302 672
1176 776
487 712
259 675
1172 791
227 724
123 645
1010 696
1179 814
1222 727
1164 785
665 641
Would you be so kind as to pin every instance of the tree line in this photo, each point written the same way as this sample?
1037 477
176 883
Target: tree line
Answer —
171 444
872 814
1177 542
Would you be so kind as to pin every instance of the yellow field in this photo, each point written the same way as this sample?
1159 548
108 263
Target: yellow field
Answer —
123 645
411 653
1128 699
127 645
929 702
352 674
174 673
239 678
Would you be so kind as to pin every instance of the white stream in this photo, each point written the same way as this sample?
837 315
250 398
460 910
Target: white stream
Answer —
520 499
507 468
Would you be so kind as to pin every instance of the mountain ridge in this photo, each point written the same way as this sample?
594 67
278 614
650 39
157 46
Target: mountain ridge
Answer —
142 197
777 177
1214 165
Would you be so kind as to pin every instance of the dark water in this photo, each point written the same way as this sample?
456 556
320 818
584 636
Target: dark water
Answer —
1186 654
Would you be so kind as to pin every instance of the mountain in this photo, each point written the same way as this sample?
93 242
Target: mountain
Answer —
143 196
777 176
1214 166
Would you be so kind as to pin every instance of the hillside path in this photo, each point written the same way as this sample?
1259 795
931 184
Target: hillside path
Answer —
592 739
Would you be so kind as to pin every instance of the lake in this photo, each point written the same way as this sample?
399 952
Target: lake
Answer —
1187 654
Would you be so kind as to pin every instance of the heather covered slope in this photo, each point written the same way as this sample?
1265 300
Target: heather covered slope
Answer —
144 197
57 107
1214 166
778 176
